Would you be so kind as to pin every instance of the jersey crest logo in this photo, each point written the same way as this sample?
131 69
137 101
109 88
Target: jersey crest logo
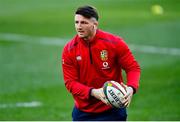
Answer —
104 55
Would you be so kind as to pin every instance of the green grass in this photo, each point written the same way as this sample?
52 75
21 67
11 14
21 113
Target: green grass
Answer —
32 71
157 98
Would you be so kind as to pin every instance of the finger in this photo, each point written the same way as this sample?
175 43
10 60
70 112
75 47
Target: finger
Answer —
129 102
127 95
104 98
126 103
105 101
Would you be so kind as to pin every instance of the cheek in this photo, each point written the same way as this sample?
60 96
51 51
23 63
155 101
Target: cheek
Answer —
75 26
89 28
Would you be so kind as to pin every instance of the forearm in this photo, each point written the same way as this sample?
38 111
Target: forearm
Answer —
78 89
133 78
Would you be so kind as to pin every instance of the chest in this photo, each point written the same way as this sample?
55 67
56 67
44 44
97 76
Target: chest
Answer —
101 57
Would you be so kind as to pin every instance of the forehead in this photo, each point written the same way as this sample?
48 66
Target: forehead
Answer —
81 18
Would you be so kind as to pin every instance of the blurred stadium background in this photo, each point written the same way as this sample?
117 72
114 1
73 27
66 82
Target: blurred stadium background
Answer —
32 35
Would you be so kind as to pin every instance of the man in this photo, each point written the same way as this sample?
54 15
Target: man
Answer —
90 59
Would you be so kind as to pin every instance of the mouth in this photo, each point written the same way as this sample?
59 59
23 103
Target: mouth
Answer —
81 32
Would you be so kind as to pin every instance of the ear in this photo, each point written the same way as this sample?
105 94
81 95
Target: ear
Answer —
95 24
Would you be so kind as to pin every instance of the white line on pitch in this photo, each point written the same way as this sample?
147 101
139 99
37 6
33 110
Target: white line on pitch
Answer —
60 42
21 104
155 50
32 39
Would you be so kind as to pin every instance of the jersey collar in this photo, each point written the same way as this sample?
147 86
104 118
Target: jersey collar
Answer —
92 41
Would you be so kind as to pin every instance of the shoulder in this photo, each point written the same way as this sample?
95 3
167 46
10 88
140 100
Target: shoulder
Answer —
71 44
109 37
114 41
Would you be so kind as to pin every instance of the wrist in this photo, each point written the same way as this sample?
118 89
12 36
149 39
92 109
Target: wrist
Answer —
132 89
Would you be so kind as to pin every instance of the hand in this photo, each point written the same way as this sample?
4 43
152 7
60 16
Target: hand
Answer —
99 94
128 96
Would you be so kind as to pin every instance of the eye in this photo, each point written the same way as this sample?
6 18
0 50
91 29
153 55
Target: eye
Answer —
84 22
76 22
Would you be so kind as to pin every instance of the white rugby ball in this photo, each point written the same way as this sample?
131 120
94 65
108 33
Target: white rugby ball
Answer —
115 93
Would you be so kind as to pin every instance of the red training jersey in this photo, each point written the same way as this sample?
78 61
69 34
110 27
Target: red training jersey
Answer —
88 65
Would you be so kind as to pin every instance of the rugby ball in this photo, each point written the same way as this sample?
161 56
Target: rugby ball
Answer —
115 93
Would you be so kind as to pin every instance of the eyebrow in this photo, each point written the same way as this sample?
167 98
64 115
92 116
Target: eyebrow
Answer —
76 21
